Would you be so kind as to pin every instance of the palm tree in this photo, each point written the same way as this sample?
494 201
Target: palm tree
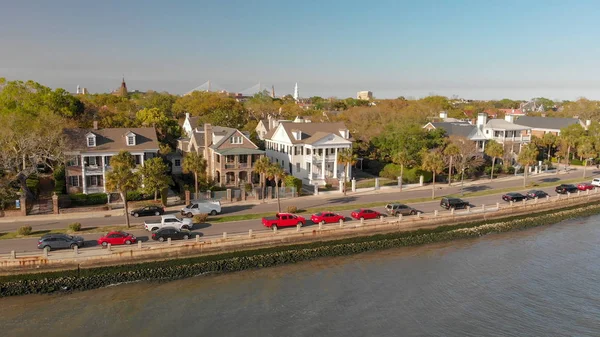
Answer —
347 158
194 162
527 157
494 150
586 150
549 140
122 178
451 151
432 161
403 159
262 166
278 175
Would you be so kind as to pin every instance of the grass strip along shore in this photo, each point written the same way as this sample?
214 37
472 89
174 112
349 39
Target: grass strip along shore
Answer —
92 278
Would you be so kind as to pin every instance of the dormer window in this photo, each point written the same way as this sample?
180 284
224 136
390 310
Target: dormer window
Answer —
345 133
130 138
91 140
297 134
236 140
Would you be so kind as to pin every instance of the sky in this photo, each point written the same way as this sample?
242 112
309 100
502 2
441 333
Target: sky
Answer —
472 49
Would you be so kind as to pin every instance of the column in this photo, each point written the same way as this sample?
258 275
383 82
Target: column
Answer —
104 173
312 168
83 182
335 175
323 164
249 163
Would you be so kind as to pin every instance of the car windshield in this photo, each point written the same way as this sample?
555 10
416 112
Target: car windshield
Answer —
319 214
189 206
356 211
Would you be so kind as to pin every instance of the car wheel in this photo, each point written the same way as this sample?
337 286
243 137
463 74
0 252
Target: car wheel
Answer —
299 223
322 222
73 246
127 242
413 212
49 248
213 212
104 244
185 237
274 227
135 215
157 213
185 227
190 215
153 229
161 239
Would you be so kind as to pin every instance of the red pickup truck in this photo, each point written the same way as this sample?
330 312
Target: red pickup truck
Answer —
283 220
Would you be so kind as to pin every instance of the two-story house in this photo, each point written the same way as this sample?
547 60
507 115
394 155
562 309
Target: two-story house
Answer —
230 154
309 151
543 125
90 150
265 125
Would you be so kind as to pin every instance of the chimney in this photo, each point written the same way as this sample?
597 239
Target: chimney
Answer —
187 116
509 118
481 119
207 143
95 125
587 123
443 114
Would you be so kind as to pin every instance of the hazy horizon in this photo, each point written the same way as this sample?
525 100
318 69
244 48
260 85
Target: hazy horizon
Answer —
469 49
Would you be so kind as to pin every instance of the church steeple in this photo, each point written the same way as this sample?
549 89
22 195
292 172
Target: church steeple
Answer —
122 92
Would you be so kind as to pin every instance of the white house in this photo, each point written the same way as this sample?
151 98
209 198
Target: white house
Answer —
265 125
309 151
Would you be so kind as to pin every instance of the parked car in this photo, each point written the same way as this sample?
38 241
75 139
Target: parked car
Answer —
60 241
564 188
326 217
596 182
283 220
117 238
395 209
171 232
453 203
365 214
536 194
148 210
585 186
169 220
513 196
212 207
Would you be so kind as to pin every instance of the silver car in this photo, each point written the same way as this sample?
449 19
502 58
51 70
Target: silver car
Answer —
60 241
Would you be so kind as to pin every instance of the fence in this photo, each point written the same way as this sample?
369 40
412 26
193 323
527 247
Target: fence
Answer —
298 234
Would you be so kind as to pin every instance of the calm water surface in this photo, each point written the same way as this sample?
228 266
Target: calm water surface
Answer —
540 282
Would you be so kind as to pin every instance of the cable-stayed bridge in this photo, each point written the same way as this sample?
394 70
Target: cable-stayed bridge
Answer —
215 87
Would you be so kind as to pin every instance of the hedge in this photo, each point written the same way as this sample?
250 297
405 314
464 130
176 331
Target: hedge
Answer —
80 199
59 180
33 184
93 278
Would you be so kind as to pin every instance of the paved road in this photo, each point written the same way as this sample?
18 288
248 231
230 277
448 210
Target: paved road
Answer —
216 229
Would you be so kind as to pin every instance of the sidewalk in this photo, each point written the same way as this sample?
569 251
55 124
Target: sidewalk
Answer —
382 190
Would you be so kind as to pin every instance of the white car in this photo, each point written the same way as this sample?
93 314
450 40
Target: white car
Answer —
596 182
212 207
169 221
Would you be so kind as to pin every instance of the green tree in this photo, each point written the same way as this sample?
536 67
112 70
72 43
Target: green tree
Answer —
403 159
451 151
195 163
262 167
527 157
549 140
122 178
155 176
278 175
569 137
347 158
586 150
432 161
494 150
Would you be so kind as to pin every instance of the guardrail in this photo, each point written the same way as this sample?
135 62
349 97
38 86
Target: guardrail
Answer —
298 234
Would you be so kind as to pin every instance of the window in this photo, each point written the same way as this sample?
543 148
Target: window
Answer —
73 161
138 159
130 140
92 161
74 181
91 141
297 167
236 140
177 162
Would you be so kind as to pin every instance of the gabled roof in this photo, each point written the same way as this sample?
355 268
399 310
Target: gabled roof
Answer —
501 124
265 123
309 132
111 139
194 121
223 131
549 123
462 129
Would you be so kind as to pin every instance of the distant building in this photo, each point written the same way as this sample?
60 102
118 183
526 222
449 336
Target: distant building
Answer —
364 95
122 91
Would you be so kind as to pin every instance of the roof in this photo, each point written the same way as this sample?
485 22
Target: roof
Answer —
265 123
309 132
238 150
198 138
461 129
111 139
194 121
222 131
552 123
512 111
501 124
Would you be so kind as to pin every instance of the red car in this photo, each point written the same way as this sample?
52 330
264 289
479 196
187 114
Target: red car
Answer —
585 186
117 238
283 220
326 217
365 214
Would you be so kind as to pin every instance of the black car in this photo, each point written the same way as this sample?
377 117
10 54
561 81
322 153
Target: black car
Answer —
514 197
566 188
536 194
453 203
171 232
147 210
59 241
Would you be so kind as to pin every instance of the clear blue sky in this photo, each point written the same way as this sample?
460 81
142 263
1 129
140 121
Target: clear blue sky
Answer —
483 49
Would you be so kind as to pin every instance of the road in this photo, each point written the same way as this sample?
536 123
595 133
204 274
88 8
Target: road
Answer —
208 229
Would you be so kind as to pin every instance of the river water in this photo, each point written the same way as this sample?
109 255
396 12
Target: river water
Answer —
539 282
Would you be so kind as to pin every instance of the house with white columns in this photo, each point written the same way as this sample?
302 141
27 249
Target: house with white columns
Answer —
90 150
308 150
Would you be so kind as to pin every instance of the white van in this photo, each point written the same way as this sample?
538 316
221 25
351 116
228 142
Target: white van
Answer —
596 182
212 207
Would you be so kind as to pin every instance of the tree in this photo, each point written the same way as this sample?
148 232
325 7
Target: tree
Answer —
586 150
195 163
122 178
403 159
569 137
278 174
155 176
262 167
468 157
347 158
549 140
527 157
494 150
451 151
432 161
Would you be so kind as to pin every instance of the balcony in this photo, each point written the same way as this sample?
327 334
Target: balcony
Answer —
238 166
516 139
93 169
319 159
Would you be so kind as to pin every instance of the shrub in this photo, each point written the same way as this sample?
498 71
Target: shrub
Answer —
291 181
25 230
510 170
412 175
488 170
549 163
200 218
163 196
135 196
75 227
328 186
248 188
576 162
80 199
292 209
390 171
